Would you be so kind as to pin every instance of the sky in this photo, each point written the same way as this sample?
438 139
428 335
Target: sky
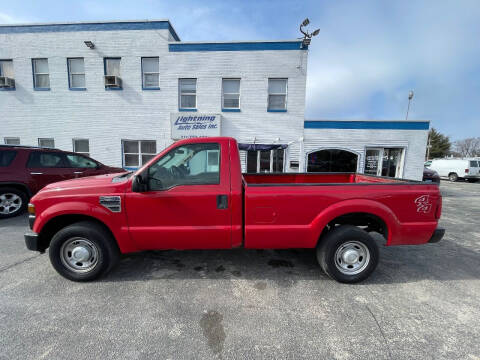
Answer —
367 57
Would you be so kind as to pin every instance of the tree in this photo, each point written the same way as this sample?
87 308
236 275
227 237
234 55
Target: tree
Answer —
439 144
469 147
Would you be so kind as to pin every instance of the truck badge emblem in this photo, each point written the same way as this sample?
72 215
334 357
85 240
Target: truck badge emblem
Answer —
423 204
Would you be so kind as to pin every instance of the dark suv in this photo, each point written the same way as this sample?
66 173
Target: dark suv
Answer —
25 170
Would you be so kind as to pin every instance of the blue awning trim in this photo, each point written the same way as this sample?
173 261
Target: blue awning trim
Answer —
264 147
365 124
107 26
237 46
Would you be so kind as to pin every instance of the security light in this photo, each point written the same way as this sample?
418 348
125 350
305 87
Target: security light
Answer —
307 37
89 44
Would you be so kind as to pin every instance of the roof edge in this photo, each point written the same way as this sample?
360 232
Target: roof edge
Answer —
89 26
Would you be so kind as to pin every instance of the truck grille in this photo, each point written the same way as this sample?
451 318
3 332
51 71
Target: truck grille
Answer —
112 203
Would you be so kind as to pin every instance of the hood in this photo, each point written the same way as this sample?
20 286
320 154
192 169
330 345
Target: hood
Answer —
89 181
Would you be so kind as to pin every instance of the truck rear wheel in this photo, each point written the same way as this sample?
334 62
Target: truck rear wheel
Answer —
348 254
83 251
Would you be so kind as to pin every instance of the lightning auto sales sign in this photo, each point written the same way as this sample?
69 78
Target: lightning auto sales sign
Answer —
188 125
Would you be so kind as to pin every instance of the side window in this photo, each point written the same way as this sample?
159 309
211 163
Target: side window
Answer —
79 161
47 159
193 164
6 157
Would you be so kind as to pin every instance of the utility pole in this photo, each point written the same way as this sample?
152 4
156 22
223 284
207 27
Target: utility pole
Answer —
429 144
410 97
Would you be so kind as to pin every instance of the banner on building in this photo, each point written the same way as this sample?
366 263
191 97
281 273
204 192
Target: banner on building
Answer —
188 125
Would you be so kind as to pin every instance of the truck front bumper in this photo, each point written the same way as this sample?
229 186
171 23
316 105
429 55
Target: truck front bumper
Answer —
437 235
32 242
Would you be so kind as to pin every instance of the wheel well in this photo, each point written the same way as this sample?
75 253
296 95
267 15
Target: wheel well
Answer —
369 222
59 222
17 186
452 172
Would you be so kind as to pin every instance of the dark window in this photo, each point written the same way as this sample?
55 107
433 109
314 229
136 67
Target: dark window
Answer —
265 160
6 157
79 161
193 164
332 160
473 163
251 161
47 159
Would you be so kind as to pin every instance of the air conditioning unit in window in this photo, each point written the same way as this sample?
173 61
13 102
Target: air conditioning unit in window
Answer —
113 81
6 82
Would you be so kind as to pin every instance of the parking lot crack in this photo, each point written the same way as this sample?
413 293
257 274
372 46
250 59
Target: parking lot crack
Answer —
381 332
2 269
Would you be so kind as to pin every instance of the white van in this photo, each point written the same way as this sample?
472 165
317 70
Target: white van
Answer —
455 169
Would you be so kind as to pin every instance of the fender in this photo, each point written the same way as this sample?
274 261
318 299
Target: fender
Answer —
112 221
354 206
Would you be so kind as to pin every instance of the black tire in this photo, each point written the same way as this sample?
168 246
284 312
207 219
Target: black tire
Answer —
453 177
88 235
342 238
10 193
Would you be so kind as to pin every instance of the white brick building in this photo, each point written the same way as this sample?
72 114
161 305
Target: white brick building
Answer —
252 90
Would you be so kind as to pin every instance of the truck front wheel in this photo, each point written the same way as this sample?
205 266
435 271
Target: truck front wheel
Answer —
347 254
83 251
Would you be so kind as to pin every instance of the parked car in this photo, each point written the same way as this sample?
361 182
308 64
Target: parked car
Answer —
455 169
430 175
24 170
193 196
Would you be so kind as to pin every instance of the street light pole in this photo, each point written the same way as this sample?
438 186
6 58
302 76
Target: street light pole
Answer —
410 97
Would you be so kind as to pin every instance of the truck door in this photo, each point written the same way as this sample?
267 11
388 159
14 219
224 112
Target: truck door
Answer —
186 205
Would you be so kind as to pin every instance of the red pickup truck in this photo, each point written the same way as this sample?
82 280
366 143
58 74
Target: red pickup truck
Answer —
193 196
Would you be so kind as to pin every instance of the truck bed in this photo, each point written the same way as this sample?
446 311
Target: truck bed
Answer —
319 178
288 210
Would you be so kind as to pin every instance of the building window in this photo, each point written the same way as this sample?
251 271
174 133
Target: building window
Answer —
46 142
6 72
187 94
150 73
261 161
81 146
112 73
41 77
277 94
76 73
138 152
231 94
12 140
332 160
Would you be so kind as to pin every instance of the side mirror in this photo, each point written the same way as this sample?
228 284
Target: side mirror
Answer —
139 184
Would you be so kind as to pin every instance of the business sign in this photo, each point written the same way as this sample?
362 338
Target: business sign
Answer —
184 126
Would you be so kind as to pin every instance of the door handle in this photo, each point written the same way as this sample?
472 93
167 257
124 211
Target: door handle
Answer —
78 172
36 173
222 202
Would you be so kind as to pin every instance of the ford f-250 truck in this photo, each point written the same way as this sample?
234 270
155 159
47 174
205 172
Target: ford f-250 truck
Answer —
193 196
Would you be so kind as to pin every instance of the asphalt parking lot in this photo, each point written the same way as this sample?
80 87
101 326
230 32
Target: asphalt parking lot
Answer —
422 302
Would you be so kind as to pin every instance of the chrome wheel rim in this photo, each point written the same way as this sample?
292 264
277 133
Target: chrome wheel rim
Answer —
10 203
79 255
352 257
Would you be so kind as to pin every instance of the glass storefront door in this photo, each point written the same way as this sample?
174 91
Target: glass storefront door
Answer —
384 162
